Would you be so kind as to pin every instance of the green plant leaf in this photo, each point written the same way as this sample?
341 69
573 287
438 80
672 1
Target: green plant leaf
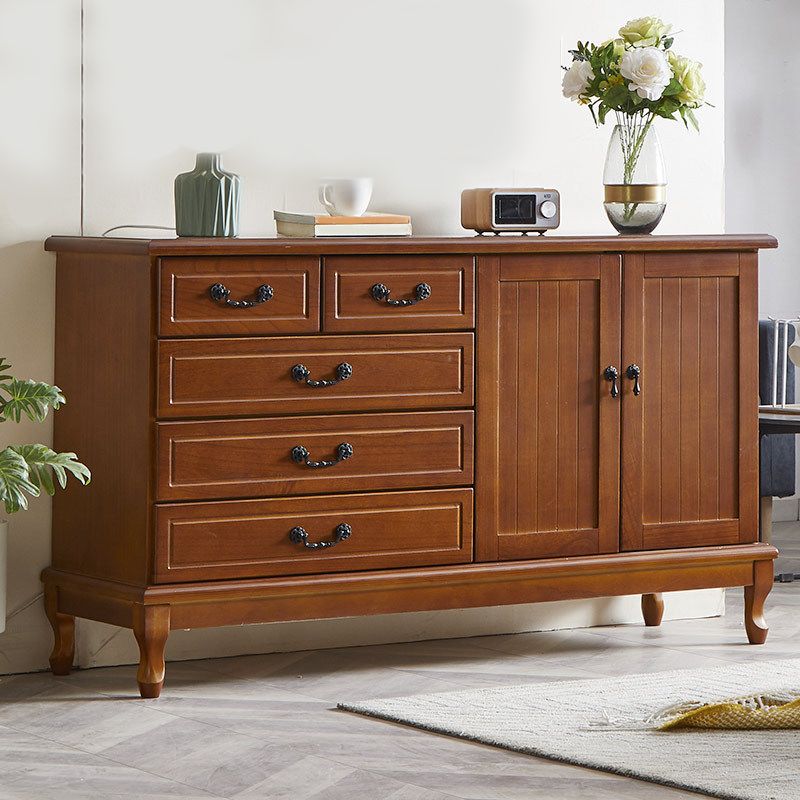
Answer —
14 481
673 87
668 40
692 119
42 463
616 97
5 379
29 398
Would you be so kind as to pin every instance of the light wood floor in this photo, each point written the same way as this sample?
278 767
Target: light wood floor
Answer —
264 726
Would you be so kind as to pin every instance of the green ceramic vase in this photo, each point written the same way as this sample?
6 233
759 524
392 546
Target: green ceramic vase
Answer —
207 199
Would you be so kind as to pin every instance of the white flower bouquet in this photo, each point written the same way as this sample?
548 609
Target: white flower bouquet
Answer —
637 74
639 77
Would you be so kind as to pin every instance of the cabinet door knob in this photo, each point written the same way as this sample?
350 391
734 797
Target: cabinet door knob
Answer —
220 293
611 374
633 372
301 456
300 372
380 292
299 535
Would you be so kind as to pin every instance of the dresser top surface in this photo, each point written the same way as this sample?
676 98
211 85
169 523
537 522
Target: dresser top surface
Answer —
474 245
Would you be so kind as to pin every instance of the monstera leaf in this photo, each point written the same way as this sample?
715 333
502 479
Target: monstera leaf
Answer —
15 481
32 399
29 468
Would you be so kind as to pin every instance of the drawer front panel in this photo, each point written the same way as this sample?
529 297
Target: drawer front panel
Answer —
188 308
227 377
353 303
253 538
256 458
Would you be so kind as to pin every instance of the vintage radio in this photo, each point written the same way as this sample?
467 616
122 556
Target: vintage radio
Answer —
511 210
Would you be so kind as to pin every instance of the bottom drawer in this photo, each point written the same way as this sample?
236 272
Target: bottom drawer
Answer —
261 538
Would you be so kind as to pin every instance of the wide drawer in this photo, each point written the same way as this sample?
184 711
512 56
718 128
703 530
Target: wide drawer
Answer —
304 455
239 295
226 377
293 536
399 293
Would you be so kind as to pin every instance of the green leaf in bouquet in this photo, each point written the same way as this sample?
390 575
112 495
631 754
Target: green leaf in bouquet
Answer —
668 40
689 114
616 97
673 87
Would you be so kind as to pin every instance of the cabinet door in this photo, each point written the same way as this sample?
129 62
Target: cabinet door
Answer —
548 431
690 438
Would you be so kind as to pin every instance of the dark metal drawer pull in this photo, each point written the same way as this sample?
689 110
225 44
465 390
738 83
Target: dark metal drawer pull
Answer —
300 373
381 292
300 456
221 294
611 374
633 372
299 535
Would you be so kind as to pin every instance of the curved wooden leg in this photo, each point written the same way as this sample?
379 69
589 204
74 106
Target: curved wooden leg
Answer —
652 609
63 625
151 629
754 597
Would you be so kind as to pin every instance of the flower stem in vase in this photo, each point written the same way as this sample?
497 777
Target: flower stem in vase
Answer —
635 128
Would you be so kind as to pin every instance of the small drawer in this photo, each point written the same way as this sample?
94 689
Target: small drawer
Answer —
303 455
399 293
239 295
236 377
301 535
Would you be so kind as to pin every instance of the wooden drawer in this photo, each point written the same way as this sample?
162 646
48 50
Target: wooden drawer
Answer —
188 309
253 458
251 538
350 294
227 377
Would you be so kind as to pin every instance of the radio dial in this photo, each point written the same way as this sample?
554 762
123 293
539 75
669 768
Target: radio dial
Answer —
548 209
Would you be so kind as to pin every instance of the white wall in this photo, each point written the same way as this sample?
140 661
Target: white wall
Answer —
761 140
39 193
761 136
428 98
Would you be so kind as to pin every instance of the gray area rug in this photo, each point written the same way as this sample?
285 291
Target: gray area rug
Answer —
555 720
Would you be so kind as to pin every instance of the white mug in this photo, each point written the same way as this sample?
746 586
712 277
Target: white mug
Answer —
346 197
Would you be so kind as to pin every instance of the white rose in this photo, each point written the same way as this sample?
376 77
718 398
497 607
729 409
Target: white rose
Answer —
648 71
576 79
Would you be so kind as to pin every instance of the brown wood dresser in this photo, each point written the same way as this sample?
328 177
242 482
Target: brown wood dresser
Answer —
287 429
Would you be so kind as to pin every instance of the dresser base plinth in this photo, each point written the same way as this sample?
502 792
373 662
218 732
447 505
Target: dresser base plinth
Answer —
151 611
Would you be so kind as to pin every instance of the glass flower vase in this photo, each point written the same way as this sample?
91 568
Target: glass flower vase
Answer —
634 177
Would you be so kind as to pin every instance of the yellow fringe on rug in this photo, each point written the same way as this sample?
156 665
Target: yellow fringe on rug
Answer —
776 711
741 714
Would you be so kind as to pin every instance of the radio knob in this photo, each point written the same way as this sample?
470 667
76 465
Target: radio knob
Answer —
548 209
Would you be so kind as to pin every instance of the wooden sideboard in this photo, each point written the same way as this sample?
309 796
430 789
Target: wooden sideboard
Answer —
302 429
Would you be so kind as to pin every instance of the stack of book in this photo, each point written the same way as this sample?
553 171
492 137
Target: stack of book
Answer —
316 225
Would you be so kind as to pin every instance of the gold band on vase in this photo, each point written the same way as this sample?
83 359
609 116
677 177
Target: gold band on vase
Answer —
636 193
